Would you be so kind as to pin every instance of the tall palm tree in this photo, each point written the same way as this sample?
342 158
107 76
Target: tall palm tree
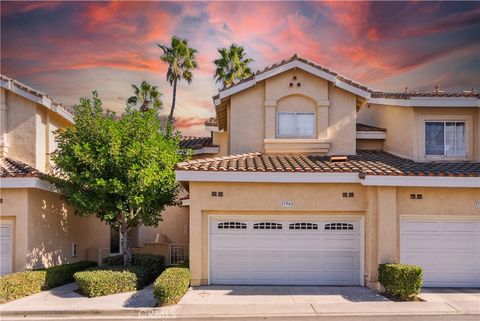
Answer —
232 65
181 62
146 96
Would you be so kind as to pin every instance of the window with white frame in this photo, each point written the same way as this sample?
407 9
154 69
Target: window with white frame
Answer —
445 138
295 124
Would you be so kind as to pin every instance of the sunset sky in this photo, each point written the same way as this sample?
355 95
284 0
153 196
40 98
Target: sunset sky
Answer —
68 49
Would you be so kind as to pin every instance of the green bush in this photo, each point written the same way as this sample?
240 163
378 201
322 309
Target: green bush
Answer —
171 285
156 262
18 285
400 280
63 274
105 280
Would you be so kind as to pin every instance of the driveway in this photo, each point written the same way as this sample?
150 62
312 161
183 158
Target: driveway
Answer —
244 294
466 300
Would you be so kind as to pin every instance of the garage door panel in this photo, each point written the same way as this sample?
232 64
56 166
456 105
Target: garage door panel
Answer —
449 256
302 255
6 250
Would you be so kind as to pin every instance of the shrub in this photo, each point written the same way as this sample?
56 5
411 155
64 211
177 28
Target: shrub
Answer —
156 262
18 285
400 280
171 285
107 280
103 282
63 274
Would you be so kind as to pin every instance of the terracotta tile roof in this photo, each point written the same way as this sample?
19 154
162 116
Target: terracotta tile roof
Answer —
368 128
212 121
14 168
308 62
408 95
364 163
193 142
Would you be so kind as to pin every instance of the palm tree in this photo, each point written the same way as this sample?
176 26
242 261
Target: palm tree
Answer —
232 65
146 95
181 62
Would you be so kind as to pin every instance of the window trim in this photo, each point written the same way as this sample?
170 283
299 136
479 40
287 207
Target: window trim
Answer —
444 156
295 113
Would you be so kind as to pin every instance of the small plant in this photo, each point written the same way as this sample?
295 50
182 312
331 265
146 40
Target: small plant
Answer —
104 282
171 285
400 280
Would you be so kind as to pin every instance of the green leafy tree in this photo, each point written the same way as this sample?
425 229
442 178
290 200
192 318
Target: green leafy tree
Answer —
120 169
232 65
181 62
145 96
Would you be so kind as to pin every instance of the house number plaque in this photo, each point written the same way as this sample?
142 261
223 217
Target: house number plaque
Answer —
287 204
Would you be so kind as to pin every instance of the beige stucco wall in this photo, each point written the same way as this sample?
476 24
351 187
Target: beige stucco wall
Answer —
173 228
45 227
381 208
399 122
369 144
246 125
256 109
21 128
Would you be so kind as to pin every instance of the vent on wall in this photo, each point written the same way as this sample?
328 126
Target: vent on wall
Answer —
416 196
348 194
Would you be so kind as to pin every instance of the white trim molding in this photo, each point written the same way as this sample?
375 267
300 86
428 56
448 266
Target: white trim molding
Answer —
371 135
424 181
369 180
26 182
428 102
266 177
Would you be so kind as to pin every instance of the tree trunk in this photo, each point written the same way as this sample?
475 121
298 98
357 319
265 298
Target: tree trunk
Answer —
126 245
170 118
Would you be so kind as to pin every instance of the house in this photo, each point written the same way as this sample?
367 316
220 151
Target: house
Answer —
321 179
38 228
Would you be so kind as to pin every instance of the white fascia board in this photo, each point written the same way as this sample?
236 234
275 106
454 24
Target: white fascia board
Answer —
444 102
185 202
266 177
211 128
26 182
206 150
355 90
371 135
428 102
423 181
296 64
236 88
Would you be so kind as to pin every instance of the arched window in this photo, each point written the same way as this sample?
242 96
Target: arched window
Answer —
339 226
232 225
267 226
303 226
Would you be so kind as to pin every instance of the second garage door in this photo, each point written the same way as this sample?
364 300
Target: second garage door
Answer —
295 251
448 250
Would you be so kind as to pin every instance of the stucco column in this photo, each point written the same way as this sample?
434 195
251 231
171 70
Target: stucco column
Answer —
387 225
322 118
371 218
195 242
270 119
3 123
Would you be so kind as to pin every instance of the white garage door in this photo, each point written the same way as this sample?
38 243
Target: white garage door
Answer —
447 250
294 251
5 248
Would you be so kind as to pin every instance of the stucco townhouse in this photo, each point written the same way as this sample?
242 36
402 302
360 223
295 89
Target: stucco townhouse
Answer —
37 228
321 179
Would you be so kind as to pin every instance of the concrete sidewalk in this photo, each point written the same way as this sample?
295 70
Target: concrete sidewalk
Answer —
243 301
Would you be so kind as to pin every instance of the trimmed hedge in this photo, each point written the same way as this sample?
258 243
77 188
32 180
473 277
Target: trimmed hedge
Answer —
400 280
18 285
171 285
105 280
63 274
155 262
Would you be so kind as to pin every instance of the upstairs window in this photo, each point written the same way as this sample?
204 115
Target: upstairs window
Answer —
445 138
296 125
